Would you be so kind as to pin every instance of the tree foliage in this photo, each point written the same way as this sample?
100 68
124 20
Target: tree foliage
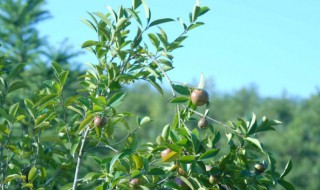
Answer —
48 137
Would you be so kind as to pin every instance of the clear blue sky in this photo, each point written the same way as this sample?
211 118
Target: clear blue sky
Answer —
274 45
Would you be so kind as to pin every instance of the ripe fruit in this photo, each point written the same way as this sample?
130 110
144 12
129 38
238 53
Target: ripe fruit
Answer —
135 182
99 121
165 153
181 171
203 123
259 168
199 97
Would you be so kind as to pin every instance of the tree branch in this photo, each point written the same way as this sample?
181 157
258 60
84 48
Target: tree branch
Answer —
74 187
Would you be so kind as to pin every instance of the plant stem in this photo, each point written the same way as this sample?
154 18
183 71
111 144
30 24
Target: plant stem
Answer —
74 187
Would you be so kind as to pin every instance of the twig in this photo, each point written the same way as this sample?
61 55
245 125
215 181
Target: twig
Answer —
200 114
74 187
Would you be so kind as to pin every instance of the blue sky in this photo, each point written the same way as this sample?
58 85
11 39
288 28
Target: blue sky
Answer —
273 45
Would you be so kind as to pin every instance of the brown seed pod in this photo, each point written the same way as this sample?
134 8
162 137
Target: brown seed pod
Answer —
259 168
199 97
99 121
203 123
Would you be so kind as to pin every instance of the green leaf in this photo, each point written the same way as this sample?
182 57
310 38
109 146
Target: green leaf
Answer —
113 13
165 132
85 122
116 99
16 85
63 77
29 105
154 40
286 185
76 110
180 99
147 10
152 81
118 156
156 171
186 159
174 147
74 147
136 4
195 142
160 21
135 15
181 89
195 25
16 69
32 174
56 67
12 177
6 116
144 121
203 10
287 169
255 142
13 109
209 154
90 24
195 13
91 176
46 99
89 43
103 17
135 174
42 118
186 181
121 22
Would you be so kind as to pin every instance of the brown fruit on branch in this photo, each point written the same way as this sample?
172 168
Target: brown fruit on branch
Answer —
99 121
165 153
135 183
259 168
203 123
199 97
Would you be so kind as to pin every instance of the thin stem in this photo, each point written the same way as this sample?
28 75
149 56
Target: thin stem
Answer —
74 187
200 114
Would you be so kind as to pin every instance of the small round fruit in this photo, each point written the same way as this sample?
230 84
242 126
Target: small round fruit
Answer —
259 168
135 182
165 153
99 121
203 123
213 180
181 171
199 97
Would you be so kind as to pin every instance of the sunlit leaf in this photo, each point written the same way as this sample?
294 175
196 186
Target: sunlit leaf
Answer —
85 123
287 169
209 154
160 21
